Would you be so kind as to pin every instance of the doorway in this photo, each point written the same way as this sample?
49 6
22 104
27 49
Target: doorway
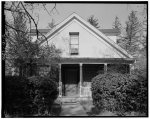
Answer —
70 80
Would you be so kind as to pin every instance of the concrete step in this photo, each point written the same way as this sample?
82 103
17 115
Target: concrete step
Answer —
70 103
70 100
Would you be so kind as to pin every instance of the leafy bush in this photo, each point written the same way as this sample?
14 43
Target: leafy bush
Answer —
50 71
142 91
17 98
34 95
118 92
44 91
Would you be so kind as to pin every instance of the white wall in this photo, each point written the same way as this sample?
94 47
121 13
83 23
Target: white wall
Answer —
90 45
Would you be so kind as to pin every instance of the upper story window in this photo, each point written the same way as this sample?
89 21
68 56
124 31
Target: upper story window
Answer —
74 43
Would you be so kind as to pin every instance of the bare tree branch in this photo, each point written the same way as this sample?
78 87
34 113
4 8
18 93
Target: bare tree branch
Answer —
30 18
12 10
49 13
46 9
44 37
28 14
14 28
17 6
53 8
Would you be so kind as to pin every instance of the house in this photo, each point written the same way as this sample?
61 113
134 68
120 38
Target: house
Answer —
85 52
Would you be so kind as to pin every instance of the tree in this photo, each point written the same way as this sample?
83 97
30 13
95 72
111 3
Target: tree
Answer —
131 40
143 15
21 52
117 24
28 10
20 49
93 21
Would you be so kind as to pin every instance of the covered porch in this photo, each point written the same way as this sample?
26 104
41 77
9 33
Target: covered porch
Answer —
75 74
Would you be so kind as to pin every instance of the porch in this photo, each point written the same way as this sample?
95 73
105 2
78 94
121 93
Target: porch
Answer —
75 74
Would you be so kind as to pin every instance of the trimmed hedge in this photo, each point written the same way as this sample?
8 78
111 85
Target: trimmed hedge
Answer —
25 97
119 92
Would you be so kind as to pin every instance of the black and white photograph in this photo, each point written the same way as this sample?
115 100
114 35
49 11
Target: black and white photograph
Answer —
74 59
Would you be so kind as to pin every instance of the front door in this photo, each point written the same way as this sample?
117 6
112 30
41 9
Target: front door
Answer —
71 82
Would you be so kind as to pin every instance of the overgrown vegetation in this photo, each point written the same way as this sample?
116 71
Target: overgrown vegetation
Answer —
44 91
29 97
17 97
24 57
120 92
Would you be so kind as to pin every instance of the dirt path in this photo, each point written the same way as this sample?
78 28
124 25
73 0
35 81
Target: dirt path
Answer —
72 110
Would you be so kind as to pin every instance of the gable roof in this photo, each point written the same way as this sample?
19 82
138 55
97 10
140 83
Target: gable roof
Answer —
90 27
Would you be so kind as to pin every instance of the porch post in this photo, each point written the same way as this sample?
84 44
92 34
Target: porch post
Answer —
60 82
81 78
105 68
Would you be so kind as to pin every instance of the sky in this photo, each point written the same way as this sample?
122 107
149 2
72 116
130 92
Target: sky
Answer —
105 13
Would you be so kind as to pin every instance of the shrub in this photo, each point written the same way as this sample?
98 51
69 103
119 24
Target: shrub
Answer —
142 91
17 99
117 92
25 97
50 71
44 91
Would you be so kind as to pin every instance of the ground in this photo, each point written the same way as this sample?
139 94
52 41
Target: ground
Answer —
86 108
82 109
73 110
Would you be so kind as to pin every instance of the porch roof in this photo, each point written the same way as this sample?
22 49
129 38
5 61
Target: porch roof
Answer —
97 60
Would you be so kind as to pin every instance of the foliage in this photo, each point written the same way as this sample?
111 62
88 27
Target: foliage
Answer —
25 97
17 97
29 10
54 73
117 24
143 22
49 55
93 21
130 42
44 91
48 60
118 68
20 49
21 52
119 92
25 54
142 90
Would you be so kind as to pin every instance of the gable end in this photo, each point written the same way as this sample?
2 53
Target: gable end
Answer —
93 29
